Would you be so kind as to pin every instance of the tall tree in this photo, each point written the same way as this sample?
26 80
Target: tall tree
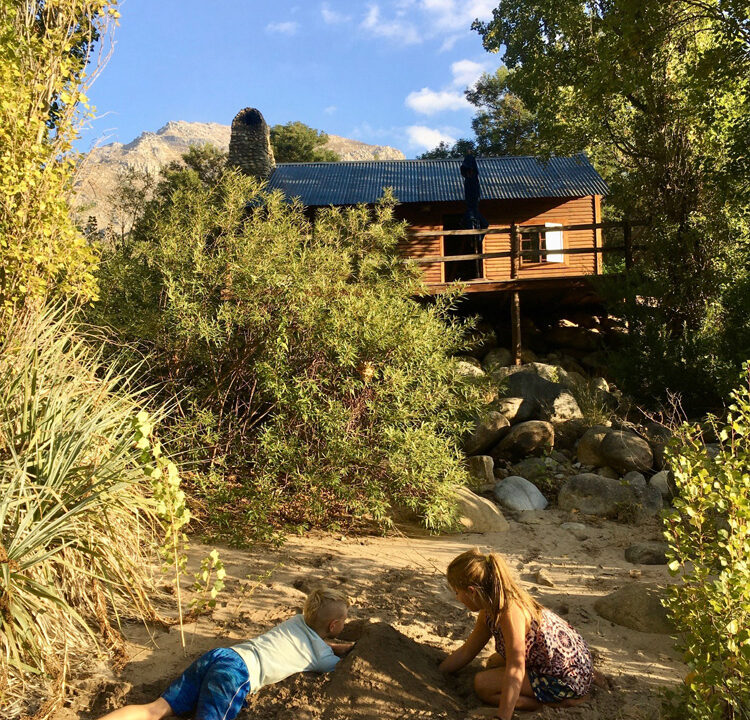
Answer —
657 94
297 142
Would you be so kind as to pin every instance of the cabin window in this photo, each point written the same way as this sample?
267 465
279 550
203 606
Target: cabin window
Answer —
461 270
535 241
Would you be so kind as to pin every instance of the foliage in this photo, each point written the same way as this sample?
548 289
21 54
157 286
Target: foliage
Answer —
44 46
312 387
657 94
297 142
502 126
709 538
75 517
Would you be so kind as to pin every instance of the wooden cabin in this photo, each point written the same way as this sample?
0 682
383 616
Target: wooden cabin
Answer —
533 211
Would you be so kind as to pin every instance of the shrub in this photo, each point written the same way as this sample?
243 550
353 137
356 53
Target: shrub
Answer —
709 538
74 510
313 387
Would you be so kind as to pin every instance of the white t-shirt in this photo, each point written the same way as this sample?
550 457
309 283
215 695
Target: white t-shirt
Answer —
288 648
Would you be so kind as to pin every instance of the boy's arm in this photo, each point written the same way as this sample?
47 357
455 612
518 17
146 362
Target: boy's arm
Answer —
340 648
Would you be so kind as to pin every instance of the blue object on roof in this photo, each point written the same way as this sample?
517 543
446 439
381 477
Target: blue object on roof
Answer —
424 181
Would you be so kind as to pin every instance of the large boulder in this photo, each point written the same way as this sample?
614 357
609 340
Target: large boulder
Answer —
518 494
468 369
574 337
534 437
647 553
481 470
625 451
588 451
636 606
479 515
658 436
488 430
544 396
497 358
661 482
515 409
596 495
534 468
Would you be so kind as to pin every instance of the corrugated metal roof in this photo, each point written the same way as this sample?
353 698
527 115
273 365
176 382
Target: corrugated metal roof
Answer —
501 178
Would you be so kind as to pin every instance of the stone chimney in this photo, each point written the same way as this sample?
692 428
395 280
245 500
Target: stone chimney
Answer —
250 144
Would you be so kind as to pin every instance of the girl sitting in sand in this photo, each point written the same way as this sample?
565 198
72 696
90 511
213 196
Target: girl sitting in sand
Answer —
540 659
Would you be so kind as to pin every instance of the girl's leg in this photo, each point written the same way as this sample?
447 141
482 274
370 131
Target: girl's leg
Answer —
150 711
487 685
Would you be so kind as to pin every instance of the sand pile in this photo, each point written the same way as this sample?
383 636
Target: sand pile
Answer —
386 676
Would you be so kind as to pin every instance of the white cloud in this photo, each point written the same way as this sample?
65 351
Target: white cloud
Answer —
331 17
467 72
330 110
282 28
453 14
397 30
427 138
429 102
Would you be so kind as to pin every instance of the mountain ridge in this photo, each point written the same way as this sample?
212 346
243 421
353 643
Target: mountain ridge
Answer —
98 173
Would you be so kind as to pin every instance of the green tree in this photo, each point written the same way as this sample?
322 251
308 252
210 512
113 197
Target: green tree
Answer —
502 126
657 95
297 142
312 387
43 47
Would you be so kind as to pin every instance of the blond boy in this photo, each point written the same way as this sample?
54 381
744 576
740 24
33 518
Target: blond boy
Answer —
215 686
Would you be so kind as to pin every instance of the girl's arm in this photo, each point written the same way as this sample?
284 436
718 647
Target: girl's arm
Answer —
513 627
340 648
470 649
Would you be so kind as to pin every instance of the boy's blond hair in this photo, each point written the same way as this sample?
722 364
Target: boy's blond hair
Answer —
323 605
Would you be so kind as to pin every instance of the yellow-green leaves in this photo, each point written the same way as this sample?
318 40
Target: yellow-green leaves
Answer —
43 81
709 536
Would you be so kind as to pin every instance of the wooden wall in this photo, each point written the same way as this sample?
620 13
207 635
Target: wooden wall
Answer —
501 213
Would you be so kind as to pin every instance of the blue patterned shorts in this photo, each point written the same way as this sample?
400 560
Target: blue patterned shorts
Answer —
549 689
214 687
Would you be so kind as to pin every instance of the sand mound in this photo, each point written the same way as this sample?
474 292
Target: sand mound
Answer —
386 676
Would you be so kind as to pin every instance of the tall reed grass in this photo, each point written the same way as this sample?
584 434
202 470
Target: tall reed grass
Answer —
76 520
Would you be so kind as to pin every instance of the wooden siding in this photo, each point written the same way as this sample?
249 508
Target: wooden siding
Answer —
502 213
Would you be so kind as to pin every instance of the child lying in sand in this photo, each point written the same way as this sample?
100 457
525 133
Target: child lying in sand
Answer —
540 659
214 687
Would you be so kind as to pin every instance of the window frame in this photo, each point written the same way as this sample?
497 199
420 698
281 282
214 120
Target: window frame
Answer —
540 260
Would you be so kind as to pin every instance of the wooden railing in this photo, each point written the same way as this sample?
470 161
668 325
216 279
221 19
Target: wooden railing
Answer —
516 253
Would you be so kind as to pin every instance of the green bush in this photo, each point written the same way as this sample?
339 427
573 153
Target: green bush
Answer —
76 517
709 538
312 388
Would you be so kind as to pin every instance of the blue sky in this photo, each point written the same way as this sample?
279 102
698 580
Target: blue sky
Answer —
389 72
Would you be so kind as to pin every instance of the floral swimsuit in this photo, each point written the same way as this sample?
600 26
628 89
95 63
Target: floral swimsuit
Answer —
558 661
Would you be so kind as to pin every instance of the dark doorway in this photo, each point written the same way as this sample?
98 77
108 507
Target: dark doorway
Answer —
461 270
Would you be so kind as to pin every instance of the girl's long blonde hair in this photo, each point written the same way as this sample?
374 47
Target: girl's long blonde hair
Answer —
493 581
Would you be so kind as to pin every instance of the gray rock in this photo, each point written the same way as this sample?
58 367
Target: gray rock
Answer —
661 482
515 409
596 495
574 337
636 606
607 472
635 479
533 437
479 515
578 530
647 553
588 449
480 469
544 398
486 433
468 369
518 494
658 436
497 358
625 451
533 468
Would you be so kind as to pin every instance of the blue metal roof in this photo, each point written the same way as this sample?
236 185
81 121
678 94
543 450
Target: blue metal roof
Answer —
501 178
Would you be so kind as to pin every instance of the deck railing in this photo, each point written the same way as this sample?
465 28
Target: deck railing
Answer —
516 253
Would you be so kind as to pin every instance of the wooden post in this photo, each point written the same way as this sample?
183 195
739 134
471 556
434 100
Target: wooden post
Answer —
628 243
515 305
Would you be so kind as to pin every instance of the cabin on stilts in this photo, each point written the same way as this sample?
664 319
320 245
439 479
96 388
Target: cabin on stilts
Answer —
496 225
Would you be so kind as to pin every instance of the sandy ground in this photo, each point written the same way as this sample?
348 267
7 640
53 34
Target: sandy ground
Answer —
406 618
